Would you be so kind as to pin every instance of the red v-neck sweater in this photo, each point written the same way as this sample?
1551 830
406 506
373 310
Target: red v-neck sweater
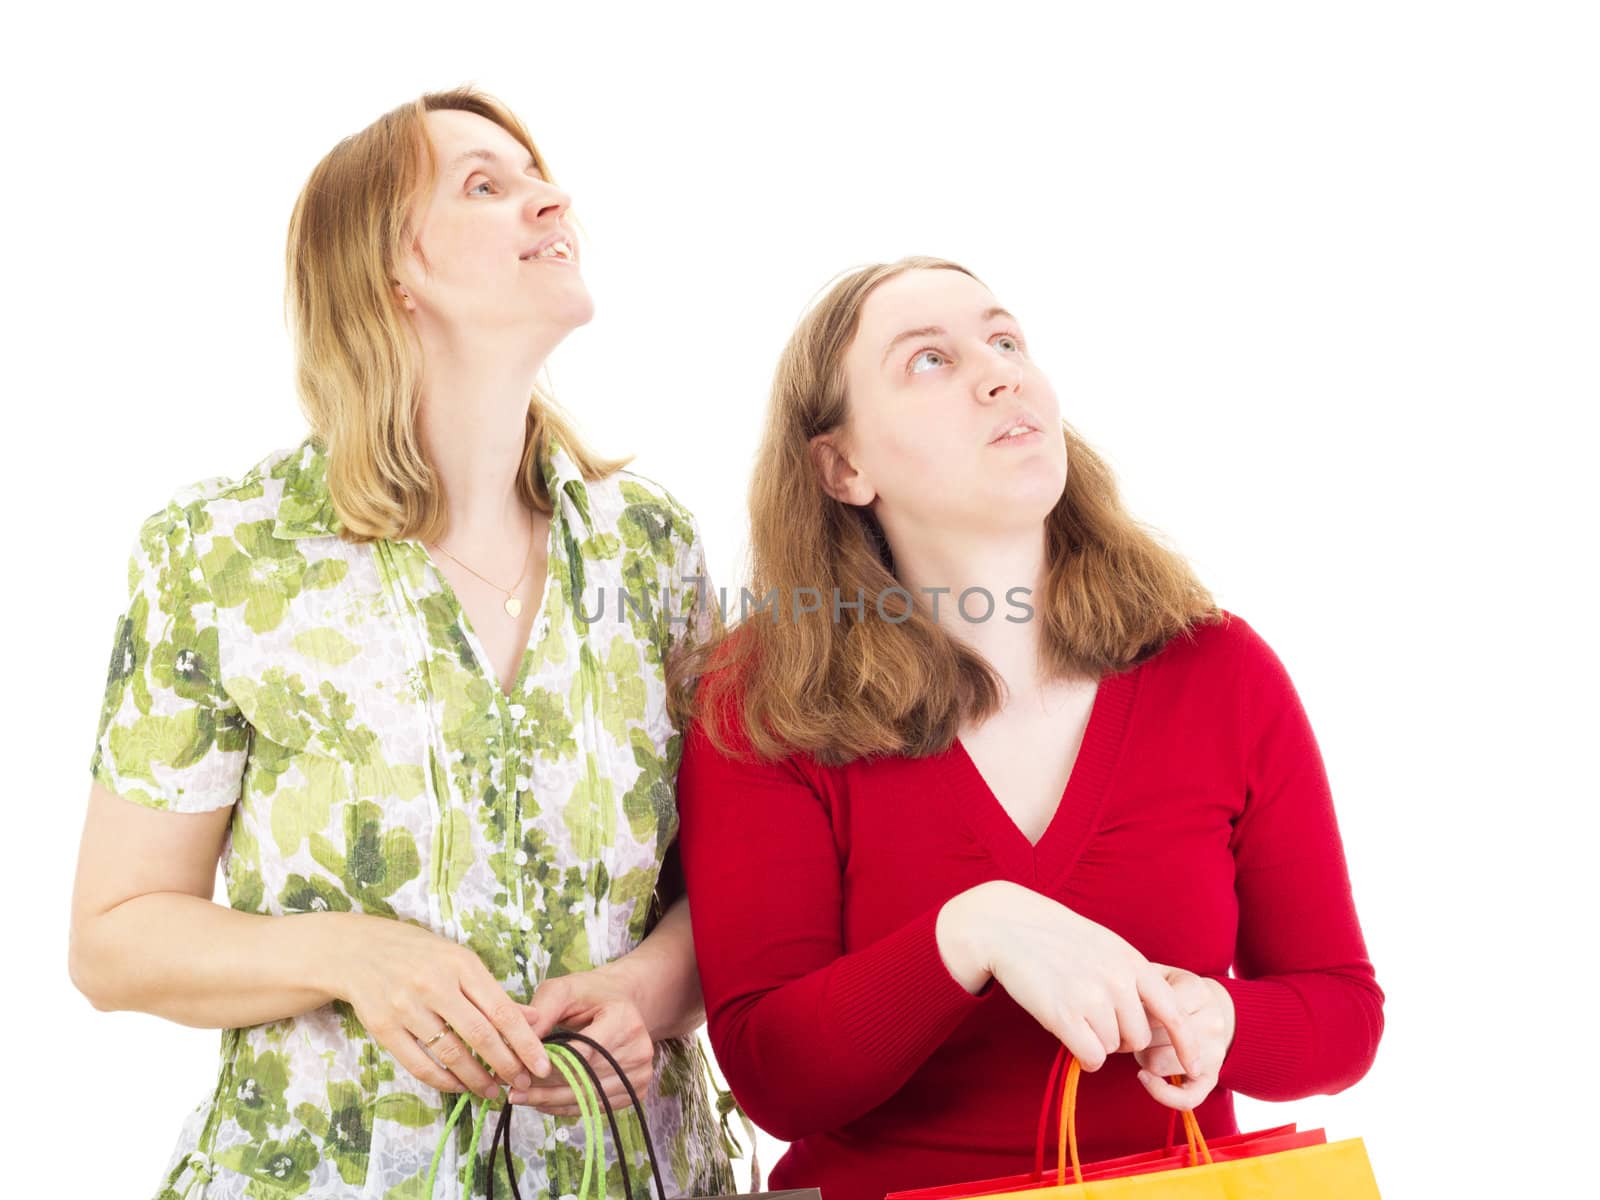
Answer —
1197 823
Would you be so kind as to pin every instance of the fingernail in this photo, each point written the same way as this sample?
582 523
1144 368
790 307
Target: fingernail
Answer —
523 1080
518 1097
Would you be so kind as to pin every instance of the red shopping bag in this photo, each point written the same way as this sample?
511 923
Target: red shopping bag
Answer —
1342 1165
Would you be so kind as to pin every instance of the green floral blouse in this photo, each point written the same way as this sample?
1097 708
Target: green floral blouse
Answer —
336 696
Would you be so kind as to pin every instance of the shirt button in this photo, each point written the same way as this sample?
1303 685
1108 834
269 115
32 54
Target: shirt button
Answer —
527 924
521 858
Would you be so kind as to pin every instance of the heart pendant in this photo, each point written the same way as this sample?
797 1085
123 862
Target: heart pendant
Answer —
513 605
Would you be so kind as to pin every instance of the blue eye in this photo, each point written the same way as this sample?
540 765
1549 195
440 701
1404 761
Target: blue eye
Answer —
1015 342
476 186
919 354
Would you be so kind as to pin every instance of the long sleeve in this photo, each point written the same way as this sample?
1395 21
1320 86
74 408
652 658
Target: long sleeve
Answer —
1309 1011
809 1036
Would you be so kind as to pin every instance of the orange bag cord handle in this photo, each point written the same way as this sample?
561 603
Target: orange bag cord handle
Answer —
1069 1126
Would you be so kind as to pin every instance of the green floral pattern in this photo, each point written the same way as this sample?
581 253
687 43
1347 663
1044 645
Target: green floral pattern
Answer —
335 695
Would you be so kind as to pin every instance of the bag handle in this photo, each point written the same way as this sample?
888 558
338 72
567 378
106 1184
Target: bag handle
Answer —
585 1082
1067 1142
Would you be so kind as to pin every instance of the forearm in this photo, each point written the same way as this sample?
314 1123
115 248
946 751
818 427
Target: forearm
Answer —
203 964
822 1049
662 976
1304 1034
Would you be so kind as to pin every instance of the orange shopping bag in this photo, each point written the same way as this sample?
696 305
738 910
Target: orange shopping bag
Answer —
1270 1167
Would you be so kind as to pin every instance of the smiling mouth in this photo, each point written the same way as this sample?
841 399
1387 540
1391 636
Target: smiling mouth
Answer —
558 251
1015 434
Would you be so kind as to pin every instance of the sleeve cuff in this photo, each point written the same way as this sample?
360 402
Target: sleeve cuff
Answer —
897 1001
1271 1037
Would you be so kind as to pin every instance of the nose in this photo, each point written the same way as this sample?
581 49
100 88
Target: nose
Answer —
547 202
1001 376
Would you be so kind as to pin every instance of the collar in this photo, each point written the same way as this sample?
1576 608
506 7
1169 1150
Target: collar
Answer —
305 509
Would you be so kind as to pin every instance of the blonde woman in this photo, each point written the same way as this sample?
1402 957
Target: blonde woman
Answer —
983 772
385 676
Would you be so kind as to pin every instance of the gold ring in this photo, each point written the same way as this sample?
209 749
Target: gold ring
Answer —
436 1037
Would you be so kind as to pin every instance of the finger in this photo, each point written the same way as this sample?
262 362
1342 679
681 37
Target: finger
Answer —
1160 1061
1084 1043
510 1045
1185 1097
1102 1018
1132 1026
621 1030
1192 991
1159 1035
454 1053
1159 997
557 1100
407 1050
551 1003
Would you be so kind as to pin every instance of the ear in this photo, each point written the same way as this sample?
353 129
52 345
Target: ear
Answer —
838 477
404 296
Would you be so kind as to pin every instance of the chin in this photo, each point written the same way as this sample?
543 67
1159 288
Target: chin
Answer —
583 312
573 309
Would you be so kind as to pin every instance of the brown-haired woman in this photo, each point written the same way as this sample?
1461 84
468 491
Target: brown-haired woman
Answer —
981 728
370 675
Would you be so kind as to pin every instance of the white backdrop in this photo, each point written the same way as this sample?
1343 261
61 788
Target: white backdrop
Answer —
1318 280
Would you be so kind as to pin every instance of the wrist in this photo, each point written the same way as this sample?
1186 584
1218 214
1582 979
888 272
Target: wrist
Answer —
625 976
958 931
324 950
1229 1011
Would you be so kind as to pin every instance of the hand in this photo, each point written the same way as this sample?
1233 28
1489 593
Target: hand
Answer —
1210 1013
601 1004
407 983
1082 982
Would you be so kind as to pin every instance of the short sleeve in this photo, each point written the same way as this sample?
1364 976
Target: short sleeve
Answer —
169 736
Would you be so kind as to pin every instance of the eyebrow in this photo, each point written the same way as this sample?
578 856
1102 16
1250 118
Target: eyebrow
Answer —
936 331
485 155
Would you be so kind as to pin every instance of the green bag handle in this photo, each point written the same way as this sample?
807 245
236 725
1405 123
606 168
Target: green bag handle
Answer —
586 1086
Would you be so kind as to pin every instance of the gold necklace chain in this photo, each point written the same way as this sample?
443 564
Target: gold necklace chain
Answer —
513 605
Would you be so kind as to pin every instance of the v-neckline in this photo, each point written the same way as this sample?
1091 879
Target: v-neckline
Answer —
479 654
1043 863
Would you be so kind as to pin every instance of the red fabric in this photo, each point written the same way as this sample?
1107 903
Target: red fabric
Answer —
1197 824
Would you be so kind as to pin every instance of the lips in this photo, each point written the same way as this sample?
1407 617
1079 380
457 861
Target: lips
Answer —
561 235
1024 420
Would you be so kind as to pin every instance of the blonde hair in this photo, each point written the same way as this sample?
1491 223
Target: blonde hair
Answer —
840 690
357 358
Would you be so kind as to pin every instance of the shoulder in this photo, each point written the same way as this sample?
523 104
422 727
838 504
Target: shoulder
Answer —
219 504
642 512
1228 646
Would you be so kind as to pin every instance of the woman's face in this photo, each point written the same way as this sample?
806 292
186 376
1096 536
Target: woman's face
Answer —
937 375
471 265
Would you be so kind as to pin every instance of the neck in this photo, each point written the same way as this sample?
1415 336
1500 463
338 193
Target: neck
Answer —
996 563
472 422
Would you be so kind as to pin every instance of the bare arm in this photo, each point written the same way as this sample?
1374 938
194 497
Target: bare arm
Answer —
661 975
146 935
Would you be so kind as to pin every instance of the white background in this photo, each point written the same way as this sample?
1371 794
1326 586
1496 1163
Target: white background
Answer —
1320 281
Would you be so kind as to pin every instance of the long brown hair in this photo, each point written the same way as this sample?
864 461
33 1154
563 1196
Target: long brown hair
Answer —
357 359
843 689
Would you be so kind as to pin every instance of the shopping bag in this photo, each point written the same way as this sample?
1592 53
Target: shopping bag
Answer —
592 1104
1237 1145
1282 1161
